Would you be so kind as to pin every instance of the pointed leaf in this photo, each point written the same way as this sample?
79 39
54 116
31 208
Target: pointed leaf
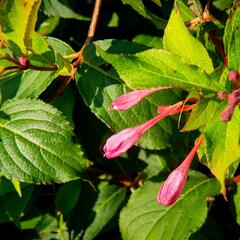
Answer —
138 6
17 187
178 40
37 144
232 40
223 147
109 200
17 23
57 9
14 205
156 67
201 114
72 191
143 218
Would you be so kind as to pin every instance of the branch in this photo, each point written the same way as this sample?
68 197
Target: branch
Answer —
78 55
91 31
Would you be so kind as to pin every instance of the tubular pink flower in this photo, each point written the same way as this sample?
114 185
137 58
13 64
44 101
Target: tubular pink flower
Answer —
130 99
227 113
234 98
122 141
173 186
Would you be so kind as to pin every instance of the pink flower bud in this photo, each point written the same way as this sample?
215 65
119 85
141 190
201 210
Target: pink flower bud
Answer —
234 97
122 141
227 113
173 186
130 99
24 62
232 75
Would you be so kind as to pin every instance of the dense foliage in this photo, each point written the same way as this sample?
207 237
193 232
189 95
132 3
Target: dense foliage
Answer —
104 107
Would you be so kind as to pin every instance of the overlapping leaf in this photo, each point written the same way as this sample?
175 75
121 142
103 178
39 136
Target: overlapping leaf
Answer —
17 23
143 218
178 40
138 6
109 200
32 83
157 67
201 114
223 147
232 40
37 144
57 9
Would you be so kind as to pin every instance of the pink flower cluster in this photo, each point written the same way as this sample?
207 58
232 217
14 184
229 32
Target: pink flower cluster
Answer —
122 141
233 98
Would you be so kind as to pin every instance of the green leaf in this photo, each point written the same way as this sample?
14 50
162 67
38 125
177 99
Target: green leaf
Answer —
222 4
72 191
232 40
17 23
196 7
156 67
59 46
109 200
6 186
185 11
49 25
138 6
9 87
47 227
57 9
99 87
32 82
151 41
37 145
201 114
42 52
178 40
154 161
143 218
17 186
14 205
65 103
222 148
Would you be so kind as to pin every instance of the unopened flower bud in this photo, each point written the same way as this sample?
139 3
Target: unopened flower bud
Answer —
130 99
227 113
24 62
173 186
234 98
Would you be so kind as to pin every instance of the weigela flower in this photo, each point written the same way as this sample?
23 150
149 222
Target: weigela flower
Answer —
173 186
122 141
130 99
